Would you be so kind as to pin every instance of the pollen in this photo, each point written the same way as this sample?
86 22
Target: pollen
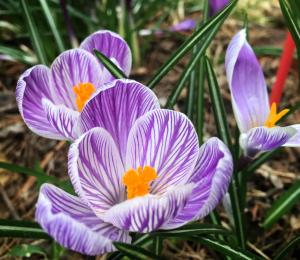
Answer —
273 117
138 181
83 92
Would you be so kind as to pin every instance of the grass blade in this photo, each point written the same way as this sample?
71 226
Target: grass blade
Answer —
22 229
109 65
15 54
34 35
190 43
282 205
52 25
134 252
282 252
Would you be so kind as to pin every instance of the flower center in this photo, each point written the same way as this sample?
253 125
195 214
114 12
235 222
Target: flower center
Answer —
138 181
273 117
83 92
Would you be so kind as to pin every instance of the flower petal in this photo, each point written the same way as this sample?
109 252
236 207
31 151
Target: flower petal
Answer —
96 170
247 84
72 224
294 141
63 119
112 46
150 212
211 177
32 87
216 5
117 108
71 68
265 139
167 141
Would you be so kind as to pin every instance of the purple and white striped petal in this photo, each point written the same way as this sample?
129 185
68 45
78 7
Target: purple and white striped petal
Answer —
113 47
32 87
96 170
150 212
294 141
247 84
61 118
71 68
167 141
117 108
211 177
216 5
265 139
72 224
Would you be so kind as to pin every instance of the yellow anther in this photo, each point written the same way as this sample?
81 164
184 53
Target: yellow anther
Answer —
138 181
83 92
273 117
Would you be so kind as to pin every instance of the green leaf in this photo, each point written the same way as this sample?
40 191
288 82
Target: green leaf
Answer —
196 37
54 29
15 54
109 65
23 229
283 251
192 230
223 132
25 250
226 249
134 252
34 35
190 67
282 205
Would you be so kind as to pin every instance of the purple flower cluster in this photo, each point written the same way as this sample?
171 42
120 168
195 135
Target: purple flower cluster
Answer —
134 167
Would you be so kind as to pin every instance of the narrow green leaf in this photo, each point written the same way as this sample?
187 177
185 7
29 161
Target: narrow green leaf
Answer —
283 251
25 250
192 230
34 35
54 29
157 245
24 229
226 249
109 65
18 55
190 67
190 43
282 205
134 252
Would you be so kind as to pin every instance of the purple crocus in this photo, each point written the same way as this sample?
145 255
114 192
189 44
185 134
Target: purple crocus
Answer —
140 169
216 5
255 119
50 99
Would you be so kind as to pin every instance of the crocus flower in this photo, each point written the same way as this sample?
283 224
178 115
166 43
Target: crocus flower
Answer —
255 118
50 99
216 5
133 173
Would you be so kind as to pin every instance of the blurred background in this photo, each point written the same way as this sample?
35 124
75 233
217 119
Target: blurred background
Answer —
36 31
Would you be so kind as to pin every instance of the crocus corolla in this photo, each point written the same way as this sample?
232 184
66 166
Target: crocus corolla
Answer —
256 119
132 173
50 99
216 5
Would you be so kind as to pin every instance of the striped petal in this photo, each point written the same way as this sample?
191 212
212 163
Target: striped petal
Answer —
73 225
71 68
247 84
216 5
117 108
294 141
165 140
211 177
32 87
96 170
150 212
62 119
262 139
113 47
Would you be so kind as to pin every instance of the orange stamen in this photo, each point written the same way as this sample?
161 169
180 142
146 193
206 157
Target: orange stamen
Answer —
273 117
83 92
138 181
